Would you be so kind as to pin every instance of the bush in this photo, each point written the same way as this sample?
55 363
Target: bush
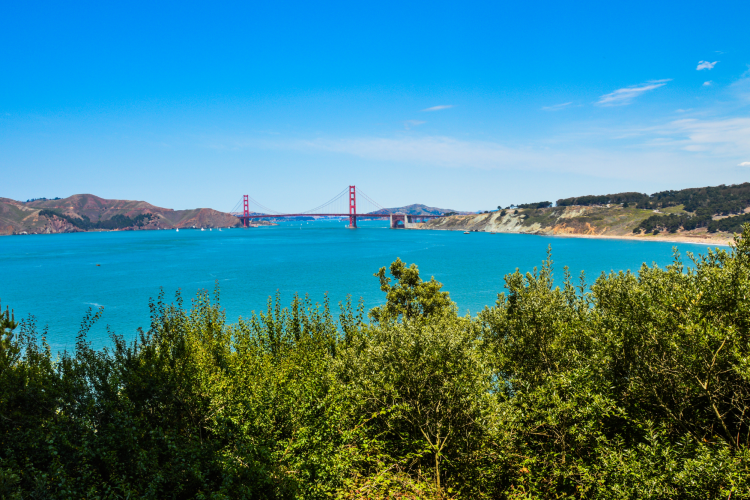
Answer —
635 387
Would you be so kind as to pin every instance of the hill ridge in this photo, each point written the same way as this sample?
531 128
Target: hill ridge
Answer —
68 215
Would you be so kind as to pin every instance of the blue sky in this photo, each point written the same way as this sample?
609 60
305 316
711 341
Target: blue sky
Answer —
463 105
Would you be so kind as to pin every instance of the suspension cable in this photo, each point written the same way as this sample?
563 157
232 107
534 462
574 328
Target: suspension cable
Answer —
380 207
236 207
335 198
268 210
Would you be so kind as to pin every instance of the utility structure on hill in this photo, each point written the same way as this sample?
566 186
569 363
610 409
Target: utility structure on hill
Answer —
342 205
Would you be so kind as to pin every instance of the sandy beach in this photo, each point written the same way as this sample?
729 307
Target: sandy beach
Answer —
671 238
720 240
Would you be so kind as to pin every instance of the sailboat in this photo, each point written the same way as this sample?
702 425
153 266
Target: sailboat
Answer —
177 229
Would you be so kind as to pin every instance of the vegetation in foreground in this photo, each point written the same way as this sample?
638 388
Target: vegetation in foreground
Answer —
637 387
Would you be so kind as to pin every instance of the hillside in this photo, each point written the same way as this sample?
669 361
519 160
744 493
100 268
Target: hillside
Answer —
85 212
417 209
706 214
592 221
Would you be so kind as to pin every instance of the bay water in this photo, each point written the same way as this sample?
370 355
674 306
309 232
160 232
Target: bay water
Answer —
58 277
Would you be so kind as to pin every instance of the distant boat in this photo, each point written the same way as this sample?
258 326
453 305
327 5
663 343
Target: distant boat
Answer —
466 232
210 229
202 229
177 229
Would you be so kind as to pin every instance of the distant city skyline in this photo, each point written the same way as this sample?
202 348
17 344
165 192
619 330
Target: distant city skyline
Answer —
466 106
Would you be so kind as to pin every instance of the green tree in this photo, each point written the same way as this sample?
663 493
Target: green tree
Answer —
409 297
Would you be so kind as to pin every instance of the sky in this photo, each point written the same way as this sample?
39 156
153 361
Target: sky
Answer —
461 105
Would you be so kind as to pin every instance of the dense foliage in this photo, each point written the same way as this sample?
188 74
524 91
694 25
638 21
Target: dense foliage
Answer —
42 199
729 224
118 221
716 200
673 222
638 387
539 204
719 200
603 199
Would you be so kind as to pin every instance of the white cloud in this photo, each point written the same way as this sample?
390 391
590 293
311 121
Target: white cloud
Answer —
409 124
448 152
706 65
690 146
727 138
621 97
695 150
557 107
439 108
708 83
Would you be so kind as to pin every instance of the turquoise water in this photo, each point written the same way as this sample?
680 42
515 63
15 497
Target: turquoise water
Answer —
56 277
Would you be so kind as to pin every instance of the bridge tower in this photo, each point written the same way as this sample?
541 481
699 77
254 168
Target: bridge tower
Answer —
245 211
352 207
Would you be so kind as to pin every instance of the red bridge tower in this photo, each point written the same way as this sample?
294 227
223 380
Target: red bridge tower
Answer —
245 211
352 207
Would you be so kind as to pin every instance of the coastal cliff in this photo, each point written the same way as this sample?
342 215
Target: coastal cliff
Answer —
580 221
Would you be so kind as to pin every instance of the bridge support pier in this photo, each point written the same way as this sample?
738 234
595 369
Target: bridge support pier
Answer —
398 221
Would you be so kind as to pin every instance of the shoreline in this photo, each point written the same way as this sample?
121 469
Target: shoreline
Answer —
693 240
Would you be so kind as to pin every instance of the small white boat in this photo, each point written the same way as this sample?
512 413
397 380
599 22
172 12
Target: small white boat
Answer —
177 229
202 229
466 232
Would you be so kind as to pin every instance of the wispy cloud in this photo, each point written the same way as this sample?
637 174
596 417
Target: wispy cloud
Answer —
706 65
409 124
557 107
744 164
448 152
708 83
727 138
621 97
439 108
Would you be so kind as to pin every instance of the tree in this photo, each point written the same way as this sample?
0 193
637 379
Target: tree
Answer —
7 321
410 297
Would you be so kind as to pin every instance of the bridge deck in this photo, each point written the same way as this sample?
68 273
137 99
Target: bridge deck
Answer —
267 216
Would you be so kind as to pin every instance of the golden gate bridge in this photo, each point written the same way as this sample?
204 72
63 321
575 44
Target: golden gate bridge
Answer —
343 204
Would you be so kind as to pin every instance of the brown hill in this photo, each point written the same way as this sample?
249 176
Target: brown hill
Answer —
417 209
35 217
